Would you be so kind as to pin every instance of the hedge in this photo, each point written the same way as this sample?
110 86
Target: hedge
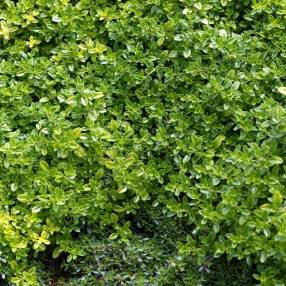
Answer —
111 107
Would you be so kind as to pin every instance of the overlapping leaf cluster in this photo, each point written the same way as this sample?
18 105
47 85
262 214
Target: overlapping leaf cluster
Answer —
109 107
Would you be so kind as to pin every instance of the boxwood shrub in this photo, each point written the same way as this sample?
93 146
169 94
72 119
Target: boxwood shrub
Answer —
108 108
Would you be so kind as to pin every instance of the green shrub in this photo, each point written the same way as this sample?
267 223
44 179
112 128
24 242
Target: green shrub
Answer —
112 107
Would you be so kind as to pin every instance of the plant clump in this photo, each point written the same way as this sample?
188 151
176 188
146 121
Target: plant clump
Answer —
112 108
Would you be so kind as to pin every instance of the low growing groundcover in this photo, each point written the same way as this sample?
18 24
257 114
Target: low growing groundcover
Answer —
142 142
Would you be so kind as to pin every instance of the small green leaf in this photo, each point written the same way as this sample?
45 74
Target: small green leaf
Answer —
215 181
178 38
44 99
223 3
98 95
282 90
44 165
217 141
14 187
23 198
76 132
187 53
277 199
56 253
113 236
36 209
122 190
276 160
160 41
84 101
114 218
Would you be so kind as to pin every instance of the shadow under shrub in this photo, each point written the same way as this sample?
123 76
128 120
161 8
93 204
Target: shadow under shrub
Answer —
144 261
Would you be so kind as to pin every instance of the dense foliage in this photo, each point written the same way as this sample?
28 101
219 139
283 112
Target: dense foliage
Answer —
149 262
112 108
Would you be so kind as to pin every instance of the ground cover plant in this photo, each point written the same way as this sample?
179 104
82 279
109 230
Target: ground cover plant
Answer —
112 108
150 258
